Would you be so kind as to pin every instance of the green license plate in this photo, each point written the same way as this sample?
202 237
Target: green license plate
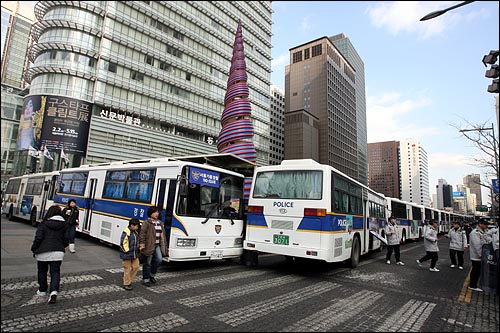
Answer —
280 239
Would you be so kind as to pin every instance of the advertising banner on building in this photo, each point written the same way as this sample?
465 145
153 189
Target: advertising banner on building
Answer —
57 122
30 124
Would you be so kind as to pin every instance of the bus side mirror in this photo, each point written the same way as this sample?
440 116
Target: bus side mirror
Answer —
46 186
183 190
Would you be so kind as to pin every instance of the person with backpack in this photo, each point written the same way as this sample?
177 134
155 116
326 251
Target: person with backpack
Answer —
129 252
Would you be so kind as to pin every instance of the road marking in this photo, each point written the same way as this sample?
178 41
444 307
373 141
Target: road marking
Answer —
36 322
256 310
64 280
182 285
454 322
219 296
83 292
466 293
411 317
160 323
181 273
340 311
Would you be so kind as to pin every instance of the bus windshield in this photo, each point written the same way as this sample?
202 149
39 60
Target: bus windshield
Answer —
294 184
210 194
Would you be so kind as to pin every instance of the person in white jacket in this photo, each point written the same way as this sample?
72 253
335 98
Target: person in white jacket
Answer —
391 233
477 240
458 244
431 246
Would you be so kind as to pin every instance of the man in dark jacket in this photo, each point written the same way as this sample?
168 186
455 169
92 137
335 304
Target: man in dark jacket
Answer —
72 215
51 239
153 245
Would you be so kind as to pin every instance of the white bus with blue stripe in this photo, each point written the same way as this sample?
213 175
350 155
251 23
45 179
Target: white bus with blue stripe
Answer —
201 205
28 197
409 218
309 210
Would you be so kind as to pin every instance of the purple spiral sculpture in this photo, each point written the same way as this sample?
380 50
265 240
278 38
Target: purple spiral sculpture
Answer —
236 135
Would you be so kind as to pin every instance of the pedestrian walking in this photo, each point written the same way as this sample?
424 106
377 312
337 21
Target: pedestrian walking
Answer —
458 244
477 240
129 252
72 215
153 245
391 234
431 246
51 239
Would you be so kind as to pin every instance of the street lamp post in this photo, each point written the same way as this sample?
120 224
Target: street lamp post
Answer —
442 11
495 154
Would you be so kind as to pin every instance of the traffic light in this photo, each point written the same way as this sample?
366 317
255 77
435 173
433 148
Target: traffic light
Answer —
493 72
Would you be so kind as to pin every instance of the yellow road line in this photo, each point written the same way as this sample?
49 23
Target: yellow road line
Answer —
466 293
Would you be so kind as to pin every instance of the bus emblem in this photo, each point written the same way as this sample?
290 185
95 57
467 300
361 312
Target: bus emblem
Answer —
195 174
283 211
218 228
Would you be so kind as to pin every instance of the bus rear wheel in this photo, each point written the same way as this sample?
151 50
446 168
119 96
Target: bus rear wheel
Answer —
355 252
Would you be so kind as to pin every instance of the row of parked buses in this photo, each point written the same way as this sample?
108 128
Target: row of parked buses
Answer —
298 209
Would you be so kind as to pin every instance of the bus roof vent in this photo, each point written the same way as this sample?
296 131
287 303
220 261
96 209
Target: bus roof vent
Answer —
307 161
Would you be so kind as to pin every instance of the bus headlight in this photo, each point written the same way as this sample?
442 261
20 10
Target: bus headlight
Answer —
186 242
238 242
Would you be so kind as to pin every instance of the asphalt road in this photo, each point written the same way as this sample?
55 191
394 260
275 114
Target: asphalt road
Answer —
277 295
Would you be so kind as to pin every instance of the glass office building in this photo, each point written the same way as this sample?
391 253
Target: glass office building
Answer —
154 72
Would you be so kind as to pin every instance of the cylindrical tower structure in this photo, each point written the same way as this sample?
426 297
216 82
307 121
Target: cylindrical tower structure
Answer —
236 135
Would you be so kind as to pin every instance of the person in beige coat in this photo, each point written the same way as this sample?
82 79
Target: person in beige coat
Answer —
152 245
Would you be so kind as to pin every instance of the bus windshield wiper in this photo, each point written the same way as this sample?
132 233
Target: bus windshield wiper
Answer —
209 215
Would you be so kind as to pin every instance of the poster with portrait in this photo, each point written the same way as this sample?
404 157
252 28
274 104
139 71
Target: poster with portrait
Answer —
30 124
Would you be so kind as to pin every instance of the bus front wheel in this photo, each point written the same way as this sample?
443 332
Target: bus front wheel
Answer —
355 252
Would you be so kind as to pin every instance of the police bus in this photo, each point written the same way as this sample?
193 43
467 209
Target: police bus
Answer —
201 205
409 218
29 196
309 210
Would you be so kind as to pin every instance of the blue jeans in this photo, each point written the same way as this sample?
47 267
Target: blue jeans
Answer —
72 233
55 275
151 264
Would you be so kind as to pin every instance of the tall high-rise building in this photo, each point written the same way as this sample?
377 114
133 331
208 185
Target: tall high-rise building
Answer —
414 172
320 107
444 195
383 168
345 46
147 78
473 182
277 113
17 19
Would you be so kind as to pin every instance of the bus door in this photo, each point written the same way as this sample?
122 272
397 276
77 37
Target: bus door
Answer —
165 200
45 196
87 219
19 199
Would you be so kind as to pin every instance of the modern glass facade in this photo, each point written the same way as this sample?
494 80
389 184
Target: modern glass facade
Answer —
16 25
155 71
345 46
277 141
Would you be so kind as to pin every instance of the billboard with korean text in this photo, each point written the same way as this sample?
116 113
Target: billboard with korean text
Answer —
65 123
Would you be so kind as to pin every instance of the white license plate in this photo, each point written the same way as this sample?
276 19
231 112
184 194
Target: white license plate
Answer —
216 255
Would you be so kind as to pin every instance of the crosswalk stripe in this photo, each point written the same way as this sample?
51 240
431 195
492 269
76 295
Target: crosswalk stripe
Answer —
74 293
256 310
37 321
64 280
180 273
219 296
205 281
337 313
410 317
164 322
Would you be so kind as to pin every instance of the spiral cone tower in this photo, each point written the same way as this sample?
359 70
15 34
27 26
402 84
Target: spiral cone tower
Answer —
236 134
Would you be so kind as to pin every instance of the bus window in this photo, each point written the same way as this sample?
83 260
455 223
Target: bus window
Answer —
294 184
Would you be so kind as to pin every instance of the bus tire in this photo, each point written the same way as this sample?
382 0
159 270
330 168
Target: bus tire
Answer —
355 253
10 216
33 217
